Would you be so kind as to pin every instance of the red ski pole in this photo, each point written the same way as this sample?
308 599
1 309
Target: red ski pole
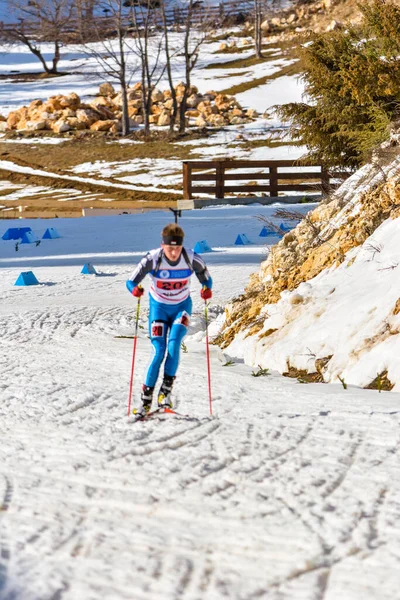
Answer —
133 356
208 355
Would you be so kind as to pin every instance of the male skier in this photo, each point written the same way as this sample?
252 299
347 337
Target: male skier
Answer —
170 268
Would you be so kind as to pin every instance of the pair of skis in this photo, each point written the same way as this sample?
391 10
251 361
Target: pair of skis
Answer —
158 412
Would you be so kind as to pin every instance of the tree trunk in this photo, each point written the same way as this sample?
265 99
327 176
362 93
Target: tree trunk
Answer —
56 57
257 29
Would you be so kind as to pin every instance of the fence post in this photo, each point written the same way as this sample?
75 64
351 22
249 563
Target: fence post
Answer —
325 177
187 181
273 182
219 179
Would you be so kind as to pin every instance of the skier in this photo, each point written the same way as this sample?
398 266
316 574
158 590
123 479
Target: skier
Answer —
170 268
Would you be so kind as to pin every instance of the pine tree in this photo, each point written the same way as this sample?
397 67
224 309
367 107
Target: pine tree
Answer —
352 80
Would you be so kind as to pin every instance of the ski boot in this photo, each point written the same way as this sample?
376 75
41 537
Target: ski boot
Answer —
146 397
164 395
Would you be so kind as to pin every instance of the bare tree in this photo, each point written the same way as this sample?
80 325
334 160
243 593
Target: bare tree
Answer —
41 21
111 44
149 48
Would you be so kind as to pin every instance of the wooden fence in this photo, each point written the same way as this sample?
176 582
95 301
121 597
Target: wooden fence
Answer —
224 177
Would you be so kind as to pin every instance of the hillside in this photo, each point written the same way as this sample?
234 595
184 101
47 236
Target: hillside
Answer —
325 300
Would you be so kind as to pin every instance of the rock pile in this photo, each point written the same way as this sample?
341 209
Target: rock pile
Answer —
67 113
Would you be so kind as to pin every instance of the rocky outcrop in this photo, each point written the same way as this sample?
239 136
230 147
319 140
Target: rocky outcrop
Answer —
65 113
321 240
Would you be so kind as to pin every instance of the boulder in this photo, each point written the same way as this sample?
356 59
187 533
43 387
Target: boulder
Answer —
216 120
36 125
106 89
165 118
157 95
87 116
68 112
70 101
61 126
34 105
3 126
132 111
102 125
251 113
75 123
192 114
169 104
200 122
193 101
13 119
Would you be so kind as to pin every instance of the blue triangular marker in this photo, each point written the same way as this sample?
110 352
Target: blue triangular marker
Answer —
202 246
88 269
50 234
26 278
29 238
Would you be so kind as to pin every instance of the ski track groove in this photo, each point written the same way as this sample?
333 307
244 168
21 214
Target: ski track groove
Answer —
5 549
83 464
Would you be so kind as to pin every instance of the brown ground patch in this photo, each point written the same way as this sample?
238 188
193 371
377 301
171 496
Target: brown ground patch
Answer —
381 382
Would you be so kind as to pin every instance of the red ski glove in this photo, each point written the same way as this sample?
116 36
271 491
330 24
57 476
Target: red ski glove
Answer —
138 291
206 293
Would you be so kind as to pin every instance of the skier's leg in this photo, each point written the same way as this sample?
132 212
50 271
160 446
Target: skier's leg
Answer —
177 332
158 327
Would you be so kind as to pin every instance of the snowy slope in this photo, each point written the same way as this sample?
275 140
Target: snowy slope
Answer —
286 492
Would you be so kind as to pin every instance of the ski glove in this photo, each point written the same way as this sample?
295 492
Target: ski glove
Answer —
206 293
138 291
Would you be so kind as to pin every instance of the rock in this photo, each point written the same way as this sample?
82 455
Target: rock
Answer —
169 104
68 112
106 89
333 25
251 113
216 120
138 120
87 116
157 96
222 46
102 125
200 122
156 109
193 101
164 118
192 114
103 101
70 101
265 25
210 95
237 113
36 125
291 18
132 111
61 126
13 119
35 104
204 106
137 103
75 123
3 126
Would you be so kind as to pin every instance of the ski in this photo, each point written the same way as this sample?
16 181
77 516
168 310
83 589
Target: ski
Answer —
160 411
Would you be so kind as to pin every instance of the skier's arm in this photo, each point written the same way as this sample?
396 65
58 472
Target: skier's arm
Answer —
144 267
202 274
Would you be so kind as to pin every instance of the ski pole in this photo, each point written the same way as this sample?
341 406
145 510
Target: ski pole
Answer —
208 355
133 355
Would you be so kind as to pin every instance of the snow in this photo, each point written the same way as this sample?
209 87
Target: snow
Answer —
287 491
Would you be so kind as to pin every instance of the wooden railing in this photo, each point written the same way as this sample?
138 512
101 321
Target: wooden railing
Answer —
276 176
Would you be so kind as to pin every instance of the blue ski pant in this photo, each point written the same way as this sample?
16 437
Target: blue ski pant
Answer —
168 324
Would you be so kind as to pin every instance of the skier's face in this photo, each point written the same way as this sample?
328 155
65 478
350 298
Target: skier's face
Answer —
172 252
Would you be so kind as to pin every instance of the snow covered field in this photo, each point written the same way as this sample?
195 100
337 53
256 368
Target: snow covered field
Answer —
287 492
